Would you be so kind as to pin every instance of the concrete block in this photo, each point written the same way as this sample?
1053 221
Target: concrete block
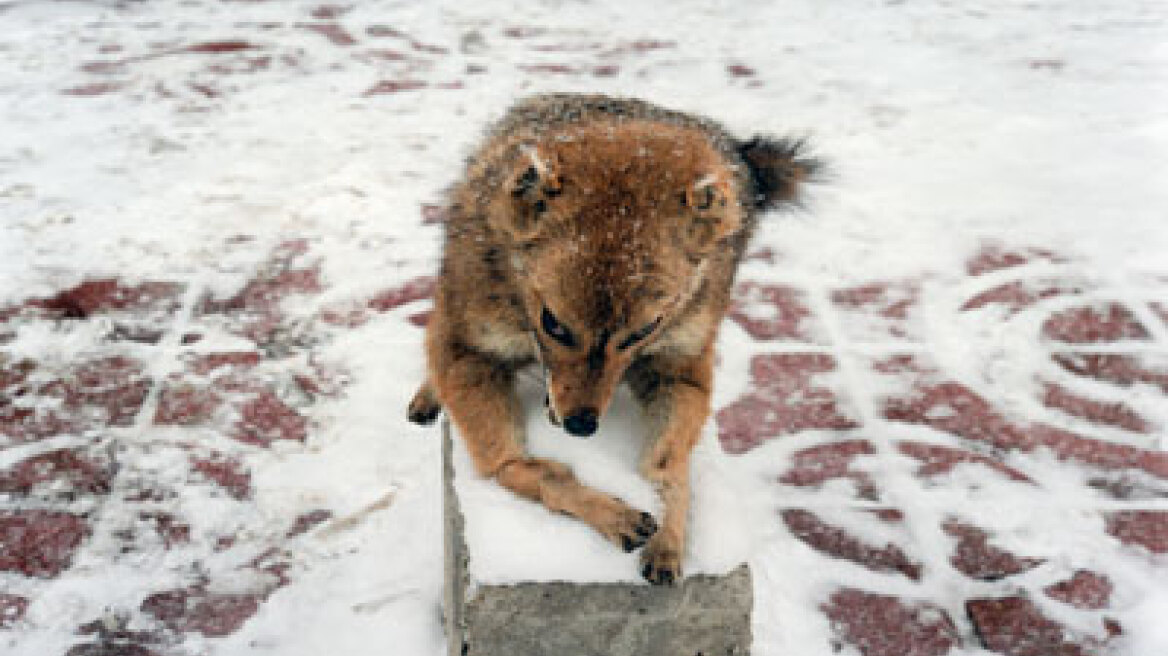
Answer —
707 615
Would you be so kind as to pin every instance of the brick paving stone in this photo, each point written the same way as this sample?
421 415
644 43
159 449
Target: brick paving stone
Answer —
1145 528
995 257
1085 590
1114 414
772 312
65 473
815 465
39 543
879 311
254 310
1110 322
265 419
838 543
977 559
227 472
783 399
196 610
936 460
307 521
1020 294
186 404
1014 626
1116 368
953 408
881 625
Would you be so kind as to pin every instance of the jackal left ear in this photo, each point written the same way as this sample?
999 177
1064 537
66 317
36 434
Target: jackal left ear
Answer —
712 212
530 186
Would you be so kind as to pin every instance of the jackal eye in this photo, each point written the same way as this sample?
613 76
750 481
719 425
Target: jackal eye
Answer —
555 329
639 334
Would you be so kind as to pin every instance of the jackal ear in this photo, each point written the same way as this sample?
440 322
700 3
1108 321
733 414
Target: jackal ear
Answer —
529 187
778 169
712 213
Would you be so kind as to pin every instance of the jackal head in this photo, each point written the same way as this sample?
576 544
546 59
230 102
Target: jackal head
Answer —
613 229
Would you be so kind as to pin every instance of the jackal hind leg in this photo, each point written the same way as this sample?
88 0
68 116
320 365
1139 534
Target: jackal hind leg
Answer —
480 397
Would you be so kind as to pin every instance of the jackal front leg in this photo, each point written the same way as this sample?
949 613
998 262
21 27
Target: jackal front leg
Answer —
676 397
478 392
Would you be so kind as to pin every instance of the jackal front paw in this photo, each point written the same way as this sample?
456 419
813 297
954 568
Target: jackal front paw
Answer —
631 529
661 561
424 407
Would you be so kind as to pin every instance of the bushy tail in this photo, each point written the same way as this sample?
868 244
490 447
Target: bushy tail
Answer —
779 168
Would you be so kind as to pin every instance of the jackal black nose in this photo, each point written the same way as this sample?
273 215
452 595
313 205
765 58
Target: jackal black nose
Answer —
582 422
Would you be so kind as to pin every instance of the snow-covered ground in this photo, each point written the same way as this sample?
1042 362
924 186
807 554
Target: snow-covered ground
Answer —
947 380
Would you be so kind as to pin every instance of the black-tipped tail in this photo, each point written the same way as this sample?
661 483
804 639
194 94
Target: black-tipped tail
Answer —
778 169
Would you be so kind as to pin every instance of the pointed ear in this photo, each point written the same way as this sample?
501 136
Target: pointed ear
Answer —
528 188
712 212
778 169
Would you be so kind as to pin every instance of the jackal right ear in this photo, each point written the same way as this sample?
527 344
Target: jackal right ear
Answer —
529 188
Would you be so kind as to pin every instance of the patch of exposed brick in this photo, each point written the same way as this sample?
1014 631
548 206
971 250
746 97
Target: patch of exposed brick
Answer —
880 625
953 408
936 459
415 289
227 473
639 47
977 559
784 315
1145 528
994 257
220 47
1114 368
205 363
12 609
265 418
1018 295
1116 414
66 472
183 404
817 464
838 543
334 32
740 70
329 12
395 86
39 543
93 89
1110 322
1085 589
94 393
1014 626
256 306
195 610
1107 455
309 520
420 319
891 304
782 400
107 295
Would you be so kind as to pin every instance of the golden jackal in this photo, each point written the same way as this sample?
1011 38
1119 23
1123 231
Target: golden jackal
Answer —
598 237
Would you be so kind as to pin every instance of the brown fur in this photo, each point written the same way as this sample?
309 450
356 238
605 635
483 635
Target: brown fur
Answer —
624 223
